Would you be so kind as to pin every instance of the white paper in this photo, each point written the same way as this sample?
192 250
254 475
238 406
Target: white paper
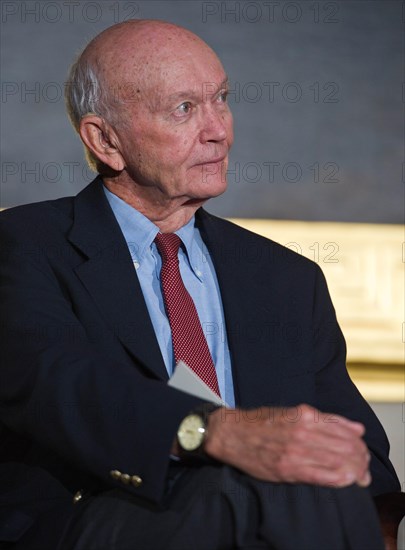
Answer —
186 380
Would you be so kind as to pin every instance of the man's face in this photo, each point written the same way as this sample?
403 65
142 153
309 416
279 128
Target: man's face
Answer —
178 133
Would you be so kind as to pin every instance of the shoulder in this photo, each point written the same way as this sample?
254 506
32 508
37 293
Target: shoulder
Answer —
30 221
251 246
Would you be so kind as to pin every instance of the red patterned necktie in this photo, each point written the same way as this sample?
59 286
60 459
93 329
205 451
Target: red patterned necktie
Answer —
189 342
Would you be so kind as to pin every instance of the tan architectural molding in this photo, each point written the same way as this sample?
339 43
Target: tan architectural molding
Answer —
364 267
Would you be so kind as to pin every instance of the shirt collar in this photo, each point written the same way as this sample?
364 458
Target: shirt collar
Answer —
139 233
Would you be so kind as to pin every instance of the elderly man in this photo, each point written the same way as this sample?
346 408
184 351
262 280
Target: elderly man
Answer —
101 296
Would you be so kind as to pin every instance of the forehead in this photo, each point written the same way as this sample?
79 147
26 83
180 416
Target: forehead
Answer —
186 80
189 71
177 68
150 62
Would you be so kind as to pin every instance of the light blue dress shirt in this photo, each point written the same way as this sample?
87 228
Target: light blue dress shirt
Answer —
199 278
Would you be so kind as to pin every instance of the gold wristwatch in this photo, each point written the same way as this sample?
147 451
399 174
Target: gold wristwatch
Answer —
192 431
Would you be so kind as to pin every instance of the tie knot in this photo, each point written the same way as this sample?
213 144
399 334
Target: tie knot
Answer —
168 245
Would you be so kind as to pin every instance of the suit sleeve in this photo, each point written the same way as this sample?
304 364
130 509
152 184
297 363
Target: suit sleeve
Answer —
59 391
337 393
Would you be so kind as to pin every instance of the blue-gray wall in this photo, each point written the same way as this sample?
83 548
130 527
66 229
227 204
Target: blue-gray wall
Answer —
316 90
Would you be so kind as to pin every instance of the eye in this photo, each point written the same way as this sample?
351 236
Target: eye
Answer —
223 96
184 108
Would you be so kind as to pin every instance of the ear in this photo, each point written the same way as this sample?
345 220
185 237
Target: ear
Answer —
102 141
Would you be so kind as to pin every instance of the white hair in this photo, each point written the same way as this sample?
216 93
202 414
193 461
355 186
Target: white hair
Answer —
85 93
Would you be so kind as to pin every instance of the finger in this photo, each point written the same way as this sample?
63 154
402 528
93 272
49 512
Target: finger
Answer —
340 477
314 437
343 449
318 475
294 459
365 480
341 421
329 457
340 425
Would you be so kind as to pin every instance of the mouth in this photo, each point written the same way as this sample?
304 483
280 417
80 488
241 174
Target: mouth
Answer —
212 161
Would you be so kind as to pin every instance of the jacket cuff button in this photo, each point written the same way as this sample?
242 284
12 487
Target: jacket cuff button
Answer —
115 474
125 478
136 481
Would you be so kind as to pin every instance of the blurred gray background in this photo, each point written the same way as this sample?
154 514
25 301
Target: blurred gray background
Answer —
316 91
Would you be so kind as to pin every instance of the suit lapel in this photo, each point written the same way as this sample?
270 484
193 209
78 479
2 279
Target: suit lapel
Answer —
110 278
246 316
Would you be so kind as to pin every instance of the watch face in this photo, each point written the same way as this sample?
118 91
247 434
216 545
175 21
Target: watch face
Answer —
191 432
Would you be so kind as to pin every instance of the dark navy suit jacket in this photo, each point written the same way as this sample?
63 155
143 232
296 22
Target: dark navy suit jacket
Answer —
82 382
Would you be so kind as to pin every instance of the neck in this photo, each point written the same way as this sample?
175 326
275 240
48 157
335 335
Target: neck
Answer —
168 214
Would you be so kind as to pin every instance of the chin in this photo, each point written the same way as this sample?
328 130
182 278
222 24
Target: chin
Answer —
205 193
213 187
211 180
217 189
196 203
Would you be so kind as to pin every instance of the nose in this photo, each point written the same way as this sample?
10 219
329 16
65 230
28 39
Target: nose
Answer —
214 125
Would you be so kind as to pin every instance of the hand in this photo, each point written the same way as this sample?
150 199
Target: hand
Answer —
294 445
